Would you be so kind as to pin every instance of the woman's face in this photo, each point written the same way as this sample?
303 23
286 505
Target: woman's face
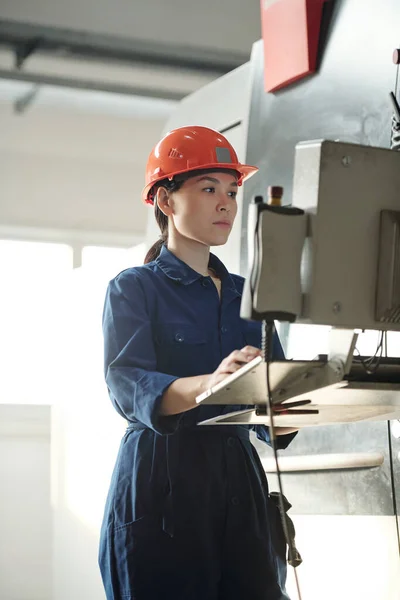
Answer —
204 208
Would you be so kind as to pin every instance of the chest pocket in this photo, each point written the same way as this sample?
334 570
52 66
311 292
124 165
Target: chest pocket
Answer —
181 349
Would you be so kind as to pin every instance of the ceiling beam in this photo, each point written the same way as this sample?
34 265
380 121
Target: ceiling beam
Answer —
26 38
98 86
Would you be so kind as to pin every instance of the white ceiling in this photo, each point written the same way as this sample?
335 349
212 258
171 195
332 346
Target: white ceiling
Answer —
226 25
75 159
70 167
80 134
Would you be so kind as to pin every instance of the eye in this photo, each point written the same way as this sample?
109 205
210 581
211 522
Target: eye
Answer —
209 190
232 194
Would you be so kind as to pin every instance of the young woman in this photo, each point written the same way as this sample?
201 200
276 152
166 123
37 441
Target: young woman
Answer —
187 515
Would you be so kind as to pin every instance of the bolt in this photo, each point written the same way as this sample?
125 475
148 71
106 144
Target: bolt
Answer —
337 307
346 161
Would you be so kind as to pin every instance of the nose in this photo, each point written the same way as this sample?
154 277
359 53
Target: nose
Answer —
224 203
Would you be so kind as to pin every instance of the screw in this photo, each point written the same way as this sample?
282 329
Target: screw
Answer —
337 307
346 161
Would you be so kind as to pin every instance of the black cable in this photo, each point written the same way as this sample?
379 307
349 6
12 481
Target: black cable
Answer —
266 346
395 133
372 363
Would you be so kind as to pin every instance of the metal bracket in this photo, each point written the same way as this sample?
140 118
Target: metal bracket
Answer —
342 344
25 101
24 51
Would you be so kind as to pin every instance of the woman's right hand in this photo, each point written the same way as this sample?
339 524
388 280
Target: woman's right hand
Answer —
181 395
232 363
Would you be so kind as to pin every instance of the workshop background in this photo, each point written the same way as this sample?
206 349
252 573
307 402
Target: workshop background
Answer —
86 90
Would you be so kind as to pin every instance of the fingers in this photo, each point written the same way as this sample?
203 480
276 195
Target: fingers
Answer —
233 363
251 351
238 358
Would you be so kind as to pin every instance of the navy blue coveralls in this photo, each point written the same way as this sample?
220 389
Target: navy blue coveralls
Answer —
187 515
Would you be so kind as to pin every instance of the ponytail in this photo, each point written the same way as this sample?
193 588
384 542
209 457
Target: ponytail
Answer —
154 251
162 220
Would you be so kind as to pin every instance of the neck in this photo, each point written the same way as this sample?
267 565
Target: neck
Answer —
193 253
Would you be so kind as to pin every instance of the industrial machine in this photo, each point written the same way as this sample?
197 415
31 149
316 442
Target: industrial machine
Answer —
331 258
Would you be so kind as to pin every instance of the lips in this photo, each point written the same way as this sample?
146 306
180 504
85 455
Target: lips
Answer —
226 223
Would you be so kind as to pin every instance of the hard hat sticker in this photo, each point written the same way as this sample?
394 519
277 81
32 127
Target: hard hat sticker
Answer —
223 155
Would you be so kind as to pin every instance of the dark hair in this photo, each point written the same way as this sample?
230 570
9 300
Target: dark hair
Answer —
171 185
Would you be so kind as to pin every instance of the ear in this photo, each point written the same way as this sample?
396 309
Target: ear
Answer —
164 201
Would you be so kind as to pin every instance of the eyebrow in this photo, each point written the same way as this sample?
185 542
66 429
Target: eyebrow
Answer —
214 180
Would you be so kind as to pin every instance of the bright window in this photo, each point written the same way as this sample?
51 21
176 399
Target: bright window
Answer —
110 261
40 294
31 274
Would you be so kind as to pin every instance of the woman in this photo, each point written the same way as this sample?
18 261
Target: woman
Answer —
187 515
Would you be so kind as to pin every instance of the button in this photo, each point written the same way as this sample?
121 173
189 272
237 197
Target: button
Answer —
231 441
224 329
179 337
395 427
205 283
235 501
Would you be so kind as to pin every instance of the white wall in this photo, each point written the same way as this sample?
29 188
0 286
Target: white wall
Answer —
74 169
65 170
346 557
86 432
25 510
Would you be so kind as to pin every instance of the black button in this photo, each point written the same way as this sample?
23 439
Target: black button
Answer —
235 501
179 337
231 441
205 283
224 329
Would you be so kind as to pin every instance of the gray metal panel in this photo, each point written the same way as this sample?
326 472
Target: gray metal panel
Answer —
345 187
346 100
338 492
395 455
388 285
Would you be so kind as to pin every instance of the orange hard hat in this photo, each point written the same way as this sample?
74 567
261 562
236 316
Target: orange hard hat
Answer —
191 149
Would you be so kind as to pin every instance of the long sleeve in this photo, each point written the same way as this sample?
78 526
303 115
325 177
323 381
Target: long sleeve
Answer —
135 386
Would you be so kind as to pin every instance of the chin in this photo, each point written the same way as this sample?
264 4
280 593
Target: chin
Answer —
214 240
219 241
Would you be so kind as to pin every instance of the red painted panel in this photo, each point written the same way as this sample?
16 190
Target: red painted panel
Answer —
290 31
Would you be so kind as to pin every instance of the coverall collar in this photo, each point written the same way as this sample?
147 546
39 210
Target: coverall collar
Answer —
179 271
